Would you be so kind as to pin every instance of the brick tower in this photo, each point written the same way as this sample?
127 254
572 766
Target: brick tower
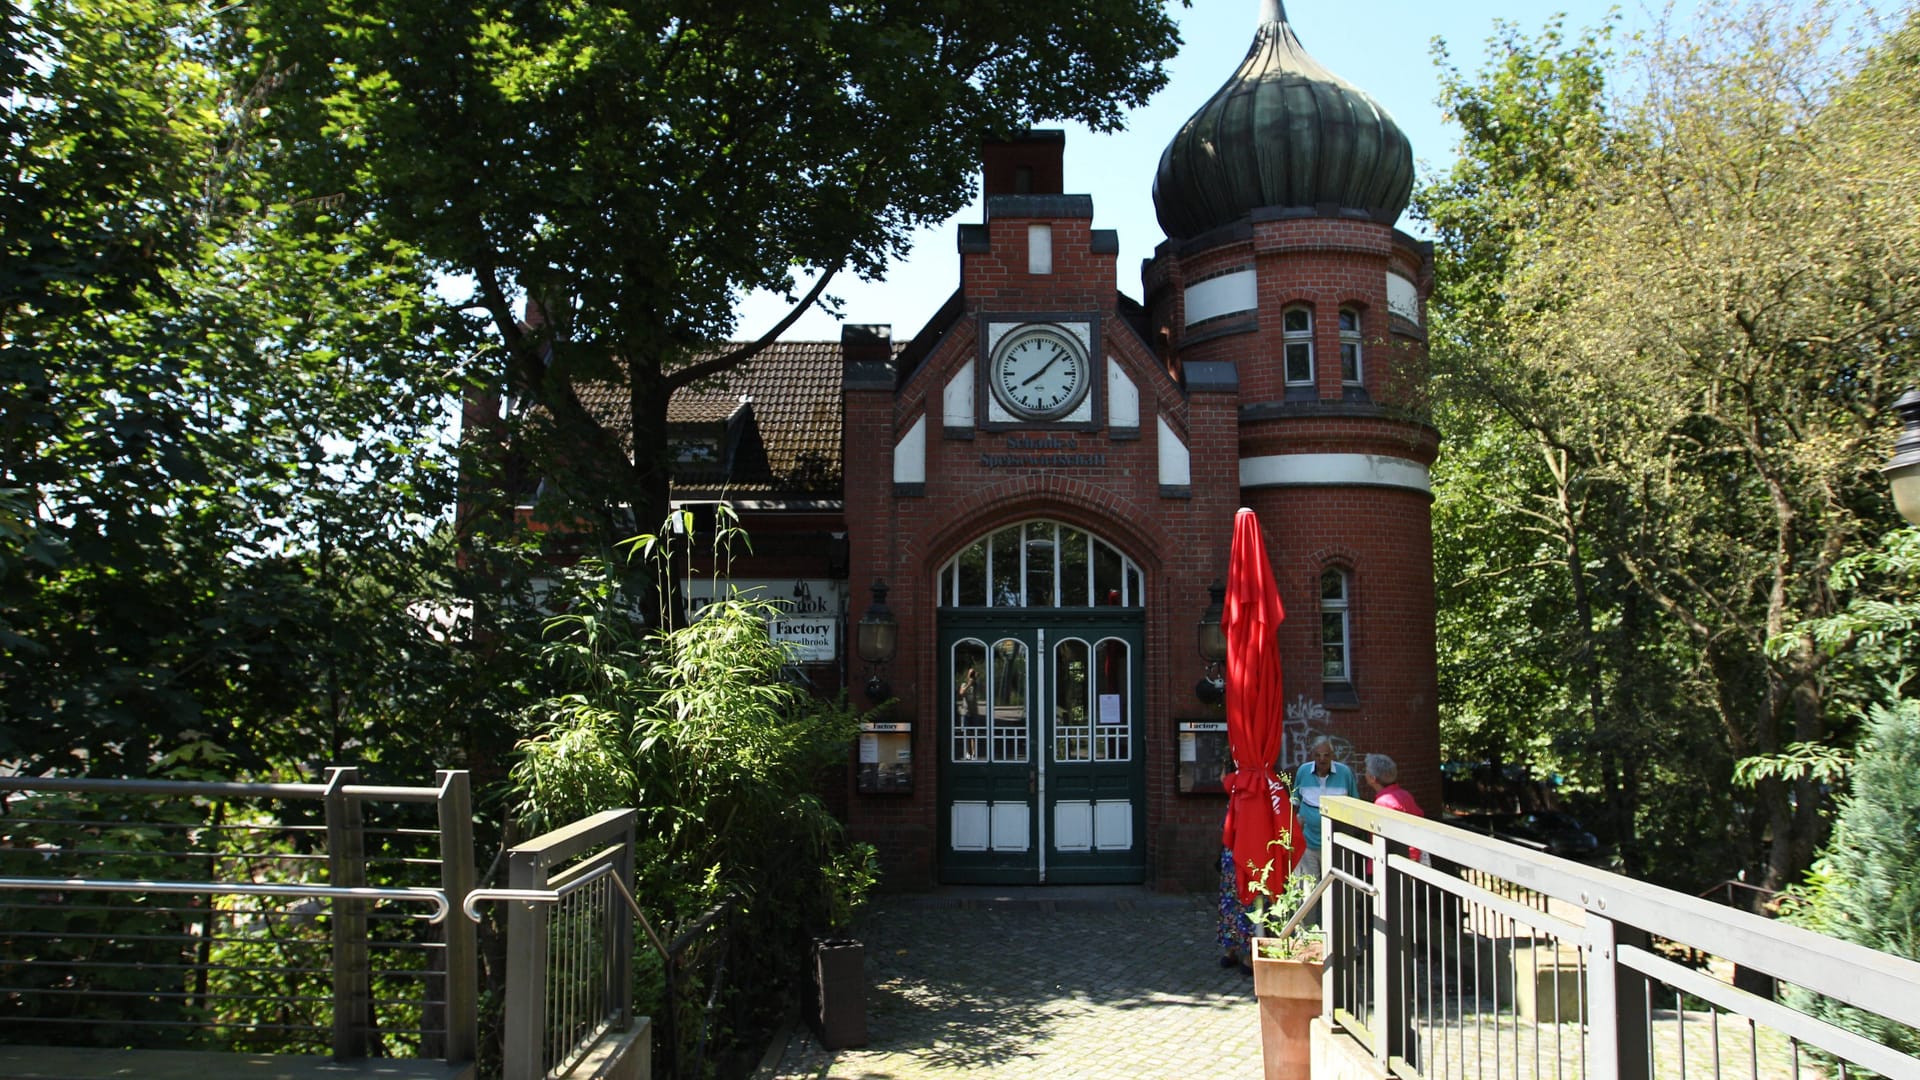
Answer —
1279 198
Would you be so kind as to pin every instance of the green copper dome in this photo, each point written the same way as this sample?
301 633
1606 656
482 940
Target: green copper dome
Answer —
1283 132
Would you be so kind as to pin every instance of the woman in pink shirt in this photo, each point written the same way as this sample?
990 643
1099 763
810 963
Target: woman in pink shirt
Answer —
1383 776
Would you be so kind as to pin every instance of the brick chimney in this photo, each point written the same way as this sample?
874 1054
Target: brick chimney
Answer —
1029 164
869 343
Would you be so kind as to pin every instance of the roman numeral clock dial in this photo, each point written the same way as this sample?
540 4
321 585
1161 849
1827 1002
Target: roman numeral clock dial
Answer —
1039 372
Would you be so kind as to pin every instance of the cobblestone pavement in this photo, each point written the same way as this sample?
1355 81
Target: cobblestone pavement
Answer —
1082 983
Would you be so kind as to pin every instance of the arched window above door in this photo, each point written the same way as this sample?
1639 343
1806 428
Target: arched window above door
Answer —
1041 564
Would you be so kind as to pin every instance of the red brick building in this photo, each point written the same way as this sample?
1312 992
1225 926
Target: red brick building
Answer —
1045 478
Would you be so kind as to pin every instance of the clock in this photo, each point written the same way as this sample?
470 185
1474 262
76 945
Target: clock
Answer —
1039 372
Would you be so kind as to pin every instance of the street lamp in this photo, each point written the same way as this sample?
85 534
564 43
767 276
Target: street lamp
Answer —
876 638
1211 639
1903 469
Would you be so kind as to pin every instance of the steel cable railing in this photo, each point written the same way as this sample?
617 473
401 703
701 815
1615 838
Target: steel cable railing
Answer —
232 916
1488 960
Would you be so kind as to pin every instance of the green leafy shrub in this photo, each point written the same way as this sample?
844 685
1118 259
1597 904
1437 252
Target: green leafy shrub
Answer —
702 731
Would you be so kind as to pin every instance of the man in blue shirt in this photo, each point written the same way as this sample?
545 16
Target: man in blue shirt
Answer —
1320 776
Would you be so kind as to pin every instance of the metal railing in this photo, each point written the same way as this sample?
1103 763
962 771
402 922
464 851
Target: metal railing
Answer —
570 923
243 917
1483 959
570 919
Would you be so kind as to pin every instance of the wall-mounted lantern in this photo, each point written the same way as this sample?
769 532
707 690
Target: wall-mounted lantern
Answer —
1211 639
875 639
1903 469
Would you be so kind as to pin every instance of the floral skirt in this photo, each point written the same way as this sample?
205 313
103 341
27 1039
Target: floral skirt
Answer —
1235 928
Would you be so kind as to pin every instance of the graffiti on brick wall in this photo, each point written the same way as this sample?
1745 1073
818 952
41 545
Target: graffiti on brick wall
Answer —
1306 721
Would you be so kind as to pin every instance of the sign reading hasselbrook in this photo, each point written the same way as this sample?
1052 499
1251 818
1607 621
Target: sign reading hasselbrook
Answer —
1042 452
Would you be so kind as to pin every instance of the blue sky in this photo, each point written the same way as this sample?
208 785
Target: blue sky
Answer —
1381 46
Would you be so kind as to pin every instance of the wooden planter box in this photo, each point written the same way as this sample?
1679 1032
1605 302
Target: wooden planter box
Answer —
1289 993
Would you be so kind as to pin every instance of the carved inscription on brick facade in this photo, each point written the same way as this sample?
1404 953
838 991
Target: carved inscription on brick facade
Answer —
1043 452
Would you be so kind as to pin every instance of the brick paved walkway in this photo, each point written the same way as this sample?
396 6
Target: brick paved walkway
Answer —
1082 983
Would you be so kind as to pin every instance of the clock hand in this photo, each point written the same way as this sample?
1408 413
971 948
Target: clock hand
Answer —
1044 368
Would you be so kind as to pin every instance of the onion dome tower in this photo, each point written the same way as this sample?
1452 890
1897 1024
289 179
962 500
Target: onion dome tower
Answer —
1289 306
1282 132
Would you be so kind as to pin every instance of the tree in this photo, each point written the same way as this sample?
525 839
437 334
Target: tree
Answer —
220 414
1703 323
1541 635
635 169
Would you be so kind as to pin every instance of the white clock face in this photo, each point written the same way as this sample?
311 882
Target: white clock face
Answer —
1039 372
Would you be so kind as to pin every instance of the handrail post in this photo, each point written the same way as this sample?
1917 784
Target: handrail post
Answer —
346 867
461 965
526 1006
622 961
1617 1007
1385 975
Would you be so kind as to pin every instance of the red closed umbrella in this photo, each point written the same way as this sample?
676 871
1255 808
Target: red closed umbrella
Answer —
1259 810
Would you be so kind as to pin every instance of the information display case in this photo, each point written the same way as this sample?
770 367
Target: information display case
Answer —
1204 756
886 758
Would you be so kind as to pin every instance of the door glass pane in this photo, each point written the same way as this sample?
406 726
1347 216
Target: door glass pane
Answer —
1040 545
1072 721
1073 567
1005 568
1007 690
1113 702
969 693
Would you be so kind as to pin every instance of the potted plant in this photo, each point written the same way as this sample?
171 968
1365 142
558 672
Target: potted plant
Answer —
1287 969
839 1012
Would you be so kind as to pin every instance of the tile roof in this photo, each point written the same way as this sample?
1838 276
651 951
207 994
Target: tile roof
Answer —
786 442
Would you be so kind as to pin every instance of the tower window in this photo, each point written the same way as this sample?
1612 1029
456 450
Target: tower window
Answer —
1336 644
1349 346
1297 340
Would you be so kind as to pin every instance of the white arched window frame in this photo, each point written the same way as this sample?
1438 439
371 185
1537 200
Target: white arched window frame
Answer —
1336 626
1092 700
1350 370
1296 343
991 689
1041 563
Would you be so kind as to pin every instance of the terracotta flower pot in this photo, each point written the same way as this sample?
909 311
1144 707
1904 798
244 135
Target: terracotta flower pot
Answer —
1289 993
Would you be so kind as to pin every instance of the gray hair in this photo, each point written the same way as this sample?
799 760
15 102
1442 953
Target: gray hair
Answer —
1382 768
1318 742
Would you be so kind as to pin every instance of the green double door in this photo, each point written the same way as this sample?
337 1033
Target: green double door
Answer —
1042 747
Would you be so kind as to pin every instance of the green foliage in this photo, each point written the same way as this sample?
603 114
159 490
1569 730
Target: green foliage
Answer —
221 419
851 875
1865 886
1682 303
1823 764
1273 909
700 730
635 169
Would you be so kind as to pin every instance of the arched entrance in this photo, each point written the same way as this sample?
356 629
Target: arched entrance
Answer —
1042 756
